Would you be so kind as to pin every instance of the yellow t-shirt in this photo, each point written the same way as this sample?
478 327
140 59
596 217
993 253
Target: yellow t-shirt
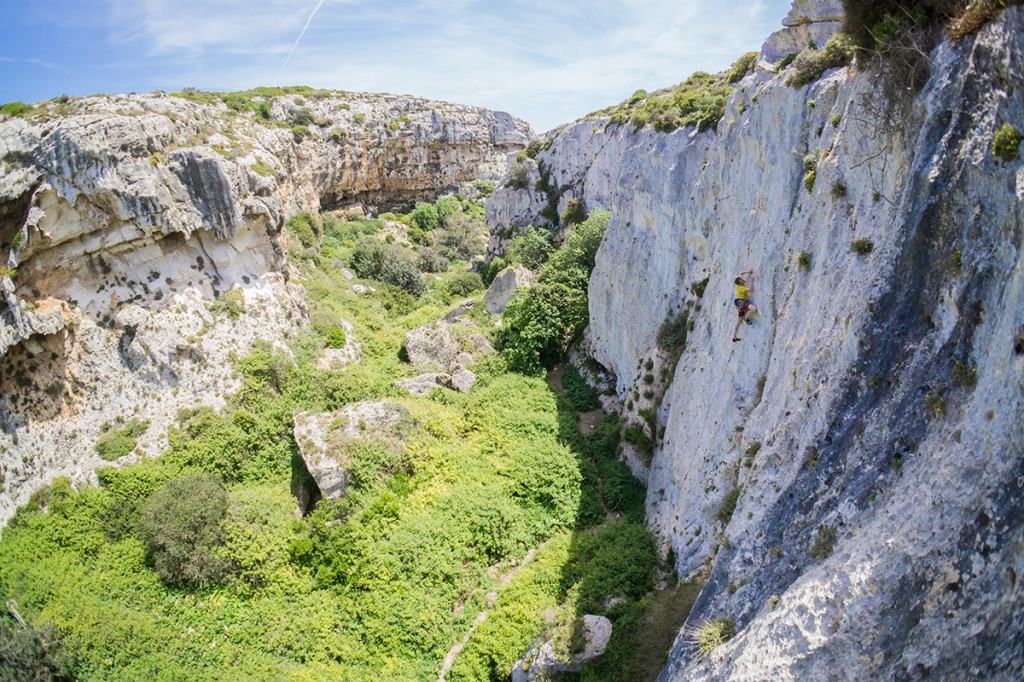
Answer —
741 292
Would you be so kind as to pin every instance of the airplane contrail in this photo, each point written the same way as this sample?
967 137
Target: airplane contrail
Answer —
299 39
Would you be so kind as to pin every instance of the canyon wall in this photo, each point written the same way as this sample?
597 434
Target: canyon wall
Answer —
142 244
869 426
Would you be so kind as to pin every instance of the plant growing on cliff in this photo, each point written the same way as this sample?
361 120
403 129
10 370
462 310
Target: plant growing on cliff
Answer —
803 259
117 443
824 542
741 67
709 635
14 109
573 213
811 62
230 303
1006 143
531 248
862 247
728 505
965 374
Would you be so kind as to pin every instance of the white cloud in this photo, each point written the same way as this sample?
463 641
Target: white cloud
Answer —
543 60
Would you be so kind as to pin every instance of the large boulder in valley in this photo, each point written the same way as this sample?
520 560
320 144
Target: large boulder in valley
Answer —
544 661
504 287
431 346
324 441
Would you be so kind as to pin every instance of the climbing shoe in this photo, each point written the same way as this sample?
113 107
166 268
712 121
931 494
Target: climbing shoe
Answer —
735 339
748 321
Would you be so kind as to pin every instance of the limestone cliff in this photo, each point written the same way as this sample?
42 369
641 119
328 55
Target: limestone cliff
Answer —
877 532
123 218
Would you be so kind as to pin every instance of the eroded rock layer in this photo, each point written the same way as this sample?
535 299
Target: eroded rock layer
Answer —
848 475
141 242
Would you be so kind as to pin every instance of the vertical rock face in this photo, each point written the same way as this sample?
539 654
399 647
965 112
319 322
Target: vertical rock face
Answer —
123 218
877 531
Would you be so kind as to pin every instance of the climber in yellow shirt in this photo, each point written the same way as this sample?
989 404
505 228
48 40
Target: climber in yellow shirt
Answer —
742 301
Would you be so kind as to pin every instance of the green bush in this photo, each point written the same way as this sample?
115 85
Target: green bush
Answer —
965 374
462 283
1006 143
304 227
429 260
617 560
728 505
37 654
118 443
673 331
862 246
531 248
710 635
230 303
824 542
803 259
573 213
491 270
334 337
741 67
180 526
460 238
14 109
540 324
519 175
424 216
390 264
811 62
578 391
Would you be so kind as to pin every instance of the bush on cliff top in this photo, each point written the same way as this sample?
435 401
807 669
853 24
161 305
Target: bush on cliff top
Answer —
699 101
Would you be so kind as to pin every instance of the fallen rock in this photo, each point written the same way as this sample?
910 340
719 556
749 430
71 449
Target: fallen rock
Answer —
504 287
458 311
481 346
540 662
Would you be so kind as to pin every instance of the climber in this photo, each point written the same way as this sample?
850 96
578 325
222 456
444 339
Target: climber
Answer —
742 301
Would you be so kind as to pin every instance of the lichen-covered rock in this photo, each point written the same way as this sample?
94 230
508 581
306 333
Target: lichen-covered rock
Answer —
505 286
323 438
462 379
544 662
432 345
425 383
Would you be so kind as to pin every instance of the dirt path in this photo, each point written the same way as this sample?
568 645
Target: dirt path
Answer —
492 597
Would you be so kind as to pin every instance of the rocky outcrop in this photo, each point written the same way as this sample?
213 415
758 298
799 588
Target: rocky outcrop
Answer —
447 345
876 532
141 242
544 662
505 286
323 440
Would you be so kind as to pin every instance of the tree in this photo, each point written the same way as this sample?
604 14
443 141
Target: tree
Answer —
540 324
181 528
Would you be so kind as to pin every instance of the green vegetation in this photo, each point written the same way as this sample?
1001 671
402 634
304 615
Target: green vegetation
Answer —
230 303
542 322
1006 143
117 443
811 63
741 67
824 542
699 101
862 247
14 109
192 566
728 505
935 402
976 14
803 259
810 170
965 374
28 653
180 525
531 248
573 213
710 635
582 397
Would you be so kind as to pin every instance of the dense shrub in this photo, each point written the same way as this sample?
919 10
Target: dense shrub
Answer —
13 109
304 227
390 264
1006 144
462 283
812 62
728 505
28 653
429 260
519 175
117 443
531 248
616 561
741 67
539 325
180 526
460 238
491 270
862 246
673 331
870 22
578 391
424 216
573 213
699 101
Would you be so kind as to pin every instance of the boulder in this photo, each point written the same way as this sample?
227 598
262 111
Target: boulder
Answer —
322 440
431 345
540 662
425 383
504 287
462 380
461 310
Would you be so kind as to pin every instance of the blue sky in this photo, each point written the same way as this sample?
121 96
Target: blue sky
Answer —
546 61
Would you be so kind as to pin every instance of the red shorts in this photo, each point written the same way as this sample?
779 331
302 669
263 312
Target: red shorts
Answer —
741 306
